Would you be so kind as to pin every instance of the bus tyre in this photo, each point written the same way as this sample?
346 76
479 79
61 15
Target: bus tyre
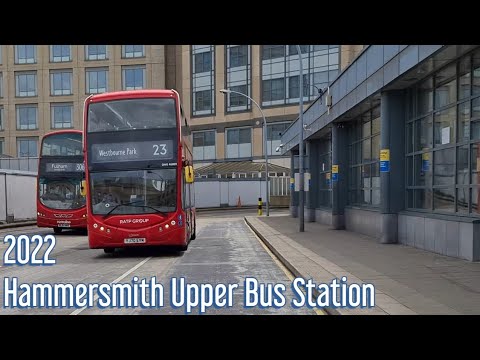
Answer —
57 230
109 250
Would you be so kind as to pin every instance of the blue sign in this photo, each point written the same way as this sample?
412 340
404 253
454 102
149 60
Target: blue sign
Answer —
384 166
425 165
334 176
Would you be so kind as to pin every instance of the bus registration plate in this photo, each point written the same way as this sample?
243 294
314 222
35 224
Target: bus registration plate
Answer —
135 241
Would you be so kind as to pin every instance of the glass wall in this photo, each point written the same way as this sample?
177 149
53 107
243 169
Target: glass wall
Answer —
443 136
364 156
280 72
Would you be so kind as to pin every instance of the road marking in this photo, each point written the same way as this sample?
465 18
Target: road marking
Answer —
95 298
280 264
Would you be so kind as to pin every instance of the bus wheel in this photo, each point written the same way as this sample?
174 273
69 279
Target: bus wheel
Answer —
57 230
109 250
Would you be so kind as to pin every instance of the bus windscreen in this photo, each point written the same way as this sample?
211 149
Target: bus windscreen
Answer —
61 192
131 114
133 192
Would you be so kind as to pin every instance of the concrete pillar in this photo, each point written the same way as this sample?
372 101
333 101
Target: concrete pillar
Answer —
392 174
339 180
311 194
293 193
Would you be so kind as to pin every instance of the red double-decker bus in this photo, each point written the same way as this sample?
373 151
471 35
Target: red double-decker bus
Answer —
139 170
61 173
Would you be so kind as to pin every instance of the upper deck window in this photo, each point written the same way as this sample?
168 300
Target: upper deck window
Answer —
132 114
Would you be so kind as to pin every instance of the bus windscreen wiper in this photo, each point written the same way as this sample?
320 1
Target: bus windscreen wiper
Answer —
135 202
153 208
126 204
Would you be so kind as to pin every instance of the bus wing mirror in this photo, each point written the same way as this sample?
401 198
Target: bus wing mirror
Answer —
83 188
189 174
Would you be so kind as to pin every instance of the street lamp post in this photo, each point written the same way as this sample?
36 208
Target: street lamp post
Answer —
300 157
227 91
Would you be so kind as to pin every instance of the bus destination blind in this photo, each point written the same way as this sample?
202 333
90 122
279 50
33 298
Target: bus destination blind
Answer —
132 151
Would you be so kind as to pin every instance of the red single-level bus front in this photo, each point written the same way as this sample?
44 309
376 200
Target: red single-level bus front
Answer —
61 171
139 171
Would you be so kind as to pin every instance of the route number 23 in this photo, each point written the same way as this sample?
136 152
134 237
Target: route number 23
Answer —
160 149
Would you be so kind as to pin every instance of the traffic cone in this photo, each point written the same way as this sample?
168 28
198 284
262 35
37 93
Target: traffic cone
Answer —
239 202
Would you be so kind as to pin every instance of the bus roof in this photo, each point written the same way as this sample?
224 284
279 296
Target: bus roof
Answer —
129 94
57 132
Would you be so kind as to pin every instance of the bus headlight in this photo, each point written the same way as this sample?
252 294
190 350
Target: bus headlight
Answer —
166 226
102 228
84 215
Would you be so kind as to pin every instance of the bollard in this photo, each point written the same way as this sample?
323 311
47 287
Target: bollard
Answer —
259 206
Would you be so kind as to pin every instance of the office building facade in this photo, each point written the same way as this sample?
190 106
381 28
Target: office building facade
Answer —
393 149
229 127
43 87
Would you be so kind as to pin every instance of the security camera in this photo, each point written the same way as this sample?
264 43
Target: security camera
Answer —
278 148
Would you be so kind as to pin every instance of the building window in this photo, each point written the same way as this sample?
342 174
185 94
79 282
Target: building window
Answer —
26 83
62 115
25 54
2 146
273 90
204 145
280 73
274 132
443 140
294 85
203 79
238 70
27 147
2 125
96 80
239 143
203 100
60 53
133 77
61 82
364 154
325 174
203 62
96 52
27 117
273 52
133 51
